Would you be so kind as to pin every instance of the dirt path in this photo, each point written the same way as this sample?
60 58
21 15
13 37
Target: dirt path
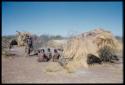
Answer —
22 69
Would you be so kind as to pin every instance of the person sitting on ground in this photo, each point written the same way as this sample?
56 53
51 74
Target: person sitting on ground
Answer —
42 56
56 56
49 54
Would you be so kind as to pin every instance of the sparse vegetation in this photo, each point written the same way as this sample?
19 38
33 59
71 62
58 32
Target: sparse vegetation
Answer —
106 55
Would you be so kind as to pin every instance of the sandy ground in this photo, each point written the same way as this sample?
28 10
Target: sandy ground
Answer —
21 69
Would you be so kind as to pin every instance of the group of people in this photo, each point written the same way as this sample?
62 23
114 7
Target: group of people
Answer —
48 56
42 55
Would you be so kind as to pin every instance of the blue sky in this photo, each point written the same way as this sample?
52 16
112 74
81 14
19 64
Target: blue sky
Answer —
61 18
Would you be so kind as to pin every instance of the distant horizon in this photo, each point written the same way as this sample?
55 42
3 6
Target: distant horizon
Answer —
61 18
57 34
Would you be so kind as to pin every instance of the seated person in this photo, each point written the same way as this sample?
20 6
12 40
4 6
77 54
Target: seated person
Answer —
42 56
56 56
49 54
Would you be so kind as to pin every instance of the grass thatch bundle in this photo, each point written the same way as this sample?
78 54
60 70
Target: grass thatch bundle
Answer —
105 38
77 48
21 36
80 46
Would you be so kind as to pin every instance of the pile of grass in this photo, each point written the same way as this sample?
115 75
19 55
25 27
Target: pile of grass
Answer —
89 43
78 47
21 38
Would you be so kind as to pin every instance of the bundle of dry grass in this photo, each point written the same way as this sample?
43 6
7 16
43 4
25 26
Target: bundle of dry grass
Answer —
21 36
80 46
106 38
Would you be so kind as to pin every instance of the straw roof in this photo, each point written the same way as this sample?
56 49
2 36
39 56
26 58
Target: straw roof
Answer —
78 47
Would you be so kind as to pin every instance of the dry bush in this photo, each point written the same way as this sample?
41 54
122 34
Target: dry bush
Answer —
106 54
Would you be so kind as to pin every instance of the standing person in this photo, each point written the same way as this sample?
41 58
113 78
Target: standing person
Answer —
29 45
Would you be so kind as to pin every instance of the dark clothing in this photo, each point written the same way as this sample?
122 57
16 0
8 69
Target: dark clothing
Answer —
29 41
29 45
56 57
49 54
